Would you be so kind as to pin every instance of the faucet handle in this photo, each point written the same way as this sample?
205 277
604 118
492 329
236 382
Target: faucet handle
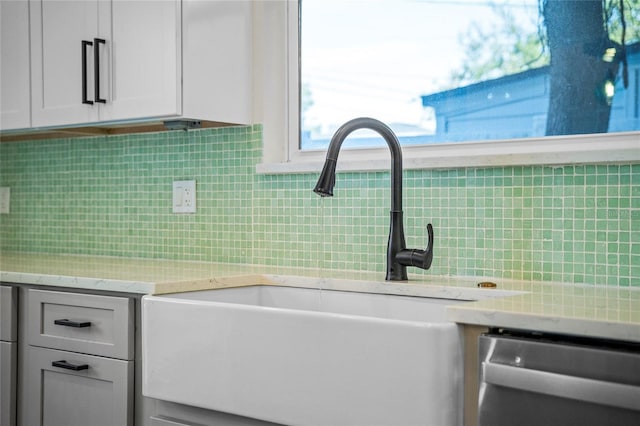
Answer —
418 258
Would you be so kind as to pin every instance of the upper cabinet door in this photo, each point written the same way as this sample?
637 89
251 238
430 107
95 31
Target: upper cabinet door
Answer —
104 60
145 68
14 65
217 60
57 31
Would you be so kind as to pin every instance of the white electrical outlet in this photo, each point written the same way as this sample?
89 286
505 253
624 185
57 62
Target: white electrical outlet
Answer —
5 199
184 196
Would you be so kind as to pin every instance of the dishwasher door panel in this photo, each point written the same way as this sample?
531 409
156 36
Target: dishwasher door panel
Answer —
557 382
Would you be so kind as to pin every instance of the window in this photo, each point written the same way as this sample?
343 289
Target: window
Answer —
427 68
444 71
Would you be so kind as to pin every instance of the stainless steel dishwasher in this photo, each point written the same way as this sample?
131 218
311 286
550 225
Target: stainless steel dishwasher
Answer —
537 379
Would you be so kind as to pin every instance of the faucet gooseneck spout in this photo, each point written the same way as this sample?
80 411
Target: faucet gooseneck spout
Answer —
398 256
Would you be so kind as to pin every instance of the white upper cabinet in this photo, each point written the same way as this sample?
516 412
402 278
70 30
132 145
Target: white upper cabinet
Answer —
217 60
14 64
143 60
57 31
100 60
114 61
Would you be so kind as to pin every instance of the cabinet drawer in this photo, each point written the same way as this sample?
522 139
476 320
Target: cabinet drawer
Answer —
86 323
8 310
98 393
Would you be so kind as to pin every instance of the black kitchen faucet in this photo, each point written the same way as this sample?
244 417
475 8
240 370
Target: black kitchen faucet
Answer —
398 256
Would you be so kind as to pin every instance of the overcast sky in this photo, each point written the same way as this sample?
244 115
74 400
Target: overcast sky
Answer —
376 57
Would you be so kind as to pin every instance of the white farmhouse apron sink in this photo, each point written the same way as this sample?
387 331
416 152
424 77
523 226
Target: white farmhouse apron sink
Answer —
302 356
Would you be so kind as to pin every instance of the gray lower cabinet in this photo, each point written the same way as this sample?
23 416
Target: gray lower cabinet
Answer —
78 360
71 389
8 355
78 322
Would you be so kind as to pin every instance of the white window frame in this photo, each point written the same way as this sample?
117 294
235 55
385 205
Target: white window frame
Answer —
278 110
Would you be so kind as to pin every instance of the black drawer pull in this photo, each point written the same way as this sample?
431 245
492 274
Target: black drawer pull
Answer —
85 100
71 323
96 68
66 365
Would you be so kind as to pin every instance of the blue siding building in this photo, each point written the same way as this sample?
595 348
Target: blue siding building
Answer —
515 106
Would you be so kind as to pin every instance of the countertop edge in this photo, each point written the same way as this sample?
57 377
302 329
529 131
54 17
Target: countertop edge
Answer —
603 329
80 283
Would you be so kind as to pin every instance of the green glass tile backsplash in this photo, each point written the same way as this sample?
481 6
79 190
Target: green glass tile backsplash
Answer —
112 196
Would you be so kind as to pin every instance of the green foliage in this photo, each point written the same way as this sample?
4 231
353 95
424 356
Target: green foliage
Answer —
631 19
504 49
499 50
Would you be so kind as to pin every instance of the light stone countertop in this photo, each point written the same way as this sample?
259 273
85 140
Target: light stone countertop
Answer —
595 311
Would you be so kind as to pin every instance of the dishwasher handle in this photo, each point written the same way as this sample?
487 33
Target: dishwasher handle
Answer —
617 395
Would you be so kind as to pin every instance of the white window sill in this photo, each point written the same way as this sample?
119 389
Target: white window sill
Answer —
575 149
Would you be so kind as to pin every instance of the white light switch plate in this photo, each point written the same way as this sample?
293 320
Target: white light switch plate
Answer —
184 196
5 199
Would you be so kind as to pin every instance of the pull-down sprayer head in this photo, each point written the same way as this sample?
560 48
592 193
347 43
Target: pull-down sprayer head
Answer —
327 179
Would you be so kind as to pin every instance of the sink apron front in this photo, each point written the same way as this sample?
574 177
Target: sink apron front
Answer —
301 367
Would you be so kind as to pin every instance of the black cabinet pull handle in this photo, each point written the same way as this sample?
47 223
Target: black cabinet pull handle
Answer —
85 43
64 364
70 323
96 62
